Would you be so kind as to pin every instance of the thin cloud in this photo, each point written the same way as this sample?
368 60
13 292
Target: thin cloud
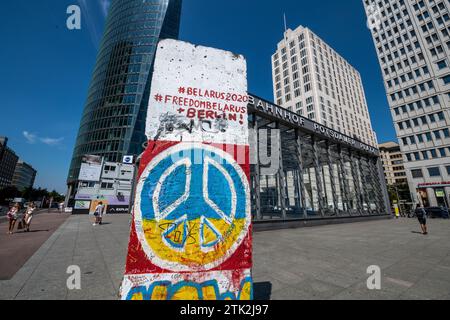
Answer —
88 14
32 138
51 142
105 6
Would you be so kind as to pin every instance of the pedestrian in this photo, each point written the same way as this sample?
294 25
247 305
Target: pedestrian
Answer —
422 216
61 207
29 216
98 213
102 213
13 215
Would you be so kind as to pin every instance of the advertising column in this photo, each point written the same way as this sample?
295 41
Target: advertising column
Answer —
191 232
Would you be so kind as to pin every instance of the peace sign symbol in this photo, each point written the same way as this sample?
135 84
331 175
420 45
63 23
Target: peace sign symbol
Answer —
193 211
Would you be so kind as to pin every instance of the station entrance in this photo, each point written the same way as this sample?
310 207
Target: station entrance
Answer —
302 170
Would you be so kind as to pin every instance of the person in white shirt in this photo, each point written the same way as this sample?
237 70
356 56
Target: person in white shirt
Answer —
13 215
98 213
29 216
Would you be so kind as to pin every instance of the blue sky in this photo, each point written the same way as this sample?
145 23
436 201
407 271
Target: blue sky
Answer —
46 68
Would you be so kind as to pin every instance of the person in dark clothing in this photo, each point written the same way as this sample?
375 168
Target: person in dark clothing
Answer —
422 216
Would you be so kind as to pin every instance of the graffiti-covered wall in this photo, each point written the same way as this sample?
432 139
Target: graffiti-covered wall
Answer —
191 232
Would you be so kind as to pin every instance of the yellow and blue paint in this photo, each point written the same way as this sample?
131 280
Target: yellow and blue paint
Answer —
188 290
193 208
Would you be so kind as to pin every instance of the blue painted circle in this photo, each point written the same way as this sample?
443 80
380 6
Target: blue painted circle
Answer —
174 186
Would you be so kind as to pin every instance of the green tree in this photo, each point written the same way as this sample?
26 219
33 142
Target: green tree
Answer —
57 197
7 194
399 193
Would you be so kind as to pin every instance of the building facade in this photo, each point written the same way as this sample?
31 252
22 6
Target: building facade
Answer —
313 80
113 121
304 171
8 162
392 160
114 189
24 176
412 40
301 172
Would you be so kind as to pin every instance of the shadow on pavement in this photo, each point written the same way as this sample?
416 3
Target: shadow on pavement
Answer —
16 249
31 231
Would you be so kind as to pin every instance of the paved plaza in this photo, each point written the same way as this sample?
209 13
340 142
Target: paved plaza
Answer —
328 262
16 249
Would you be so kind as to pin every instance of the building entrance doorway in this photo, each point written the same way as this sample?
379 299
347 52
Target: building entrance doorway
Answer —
302 170
440 197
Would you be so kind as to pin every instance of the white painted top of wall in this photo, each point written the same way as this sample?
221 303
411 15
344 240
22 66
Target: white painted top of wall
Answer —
199 88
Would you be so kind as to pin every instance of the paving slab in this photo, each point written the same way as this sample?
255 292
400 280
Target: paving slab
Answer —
17 248
327 262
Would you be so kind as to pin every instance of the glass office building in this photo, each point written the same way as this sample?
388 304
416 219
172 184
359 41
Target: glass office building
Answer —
113 121
412 41
24 176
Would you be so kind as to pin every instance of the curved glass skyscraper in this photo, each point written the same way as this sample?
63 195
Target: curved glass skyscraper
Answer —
113 122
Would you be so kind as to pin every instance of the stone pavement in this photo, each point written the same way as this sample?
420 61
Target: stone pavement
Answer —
17 248
327 262
331 262
98 251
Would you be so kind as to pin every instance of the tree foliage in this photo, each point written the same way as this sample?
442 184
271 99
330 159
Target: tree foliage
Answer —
399 193
7 194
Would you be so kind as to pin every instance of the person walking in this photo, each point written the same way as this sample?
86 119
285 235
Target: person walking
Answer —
29 216
102 213
13 215
422 217
61 207
98 213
